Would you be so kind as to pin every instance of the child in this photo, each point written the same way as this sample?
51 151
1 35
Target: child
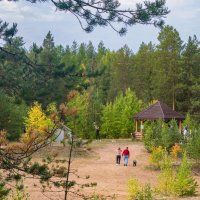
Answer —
118 156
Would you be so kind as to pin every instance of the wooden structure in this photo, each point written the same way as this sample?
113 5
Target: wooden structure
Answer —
154 112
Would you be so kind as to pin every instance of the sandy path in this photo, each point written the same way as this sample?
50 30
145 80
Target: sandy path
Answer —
111 179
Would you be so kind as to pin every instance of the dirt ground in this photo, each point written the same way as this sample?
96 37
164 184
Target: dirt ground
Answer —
100 166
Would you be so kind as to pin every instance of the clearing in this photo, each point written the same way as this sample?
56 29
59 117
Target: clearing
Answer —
98 162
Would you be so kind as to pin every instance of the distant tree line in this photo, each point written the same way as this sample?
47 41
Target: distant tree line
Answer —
168 71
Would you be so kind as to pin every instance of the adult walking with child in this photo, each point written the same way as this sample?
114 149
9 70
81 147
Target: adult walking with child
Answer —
126 155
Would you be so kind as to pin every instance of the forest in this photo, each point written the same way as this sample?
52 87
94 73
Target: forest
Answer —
109 86
82 91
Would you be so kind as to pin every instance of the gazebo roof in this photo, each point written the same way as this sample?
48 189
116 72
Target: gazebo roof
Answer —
158 111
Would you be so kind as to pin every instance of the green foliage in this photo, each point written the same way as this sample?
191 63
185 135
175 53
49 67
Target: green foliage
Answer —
121 71
11 116
190 123
156 157
95 197
167 176
162 134
185 184
188 87
144 69
41 170
19 194
107 13
176 182
145 193
193 145
3 190
149 136
174 134
168 72
139 192
169 50
117 116
81 123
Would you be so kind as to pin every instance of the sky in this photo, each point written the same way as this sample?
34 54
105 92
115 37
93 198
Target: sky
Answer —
35 20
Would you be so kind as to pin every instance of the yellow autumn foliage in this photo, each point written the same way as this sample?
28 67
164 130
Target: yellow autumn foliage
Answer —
37 120
3 140
25 138
176 151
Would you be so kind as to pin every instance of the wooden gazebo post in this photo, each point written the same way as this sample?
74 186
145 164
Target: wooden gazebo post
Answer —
141 126
179 125
136 125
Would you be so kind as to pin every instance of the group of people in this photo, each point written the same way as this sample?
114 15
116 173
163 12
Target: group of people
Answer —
125 154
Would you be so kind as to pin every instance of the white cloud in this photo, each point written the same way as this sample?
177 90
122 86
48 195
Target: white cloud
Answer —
8 6
17 11
35 20
129 2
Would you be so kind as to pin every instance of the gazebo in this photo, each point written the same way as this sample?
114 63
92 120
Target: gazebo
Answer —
154 112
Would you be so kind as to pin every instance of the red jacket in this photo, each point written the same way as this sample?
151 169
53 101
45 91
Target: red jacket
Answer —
126 152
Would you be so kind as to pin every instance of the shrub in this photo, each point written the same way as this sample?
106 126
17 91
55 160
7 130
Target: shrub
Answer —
139 192
156 157
176 151
189 122
174 134
148 136
19 195
133 188
176 182
3 190
145 193
167 176
163 134
95 197
193 146
185 184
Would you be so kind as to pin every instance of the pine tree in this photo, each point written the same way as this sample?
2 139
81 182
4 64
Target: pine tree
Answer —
169 51
145 74
189 82
185 184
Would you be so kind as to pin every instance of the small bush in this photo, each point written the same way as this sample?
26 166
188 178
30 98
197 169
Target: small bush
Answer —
176 151
3 190
96 197
156 157
176 182
167 176
139 192
162 134
19 193
145 193
185 184
133 187
193 145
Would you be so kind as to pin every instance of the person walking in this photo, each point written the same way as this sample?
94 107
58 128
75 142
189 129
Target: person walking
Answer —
118 156
126 155
185 132
97 131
